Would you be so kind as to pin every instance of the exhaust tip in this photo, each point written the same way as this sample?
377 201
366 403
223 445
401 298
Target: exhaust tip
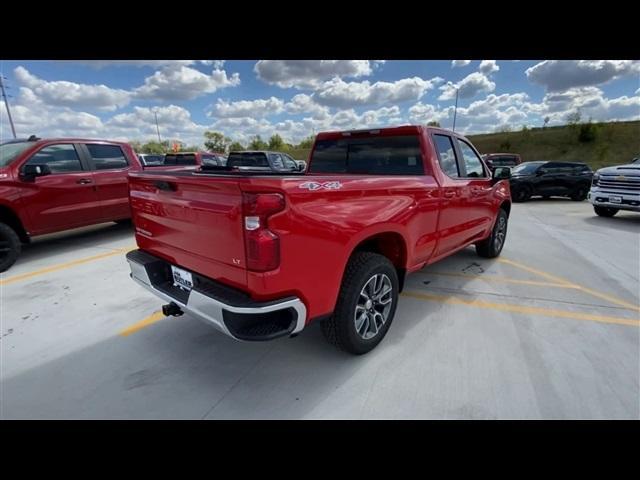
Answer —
172 310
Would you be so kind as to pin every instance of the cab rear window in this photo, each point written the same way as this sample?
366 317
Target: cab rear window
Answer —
372 155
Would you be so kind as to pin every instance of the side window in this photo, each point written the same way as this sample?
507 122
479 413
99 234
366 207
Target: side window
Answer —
61 158
446 155
106 157
472 162
276 160
288 162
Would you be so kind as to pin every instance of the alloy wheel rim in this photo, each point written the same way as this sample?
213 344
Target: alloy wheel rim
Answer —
501 232
373 306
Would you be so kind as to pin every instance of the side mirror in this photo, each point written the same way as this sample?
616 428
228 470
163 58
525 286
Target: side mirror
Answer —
31 171
501 173
302 166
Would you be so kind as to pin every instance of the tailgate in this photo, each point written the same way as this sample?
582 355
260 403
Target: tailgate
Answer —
192 222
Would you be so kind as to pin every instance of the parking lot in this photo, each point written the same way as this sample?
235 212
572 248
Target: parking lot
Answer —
547 330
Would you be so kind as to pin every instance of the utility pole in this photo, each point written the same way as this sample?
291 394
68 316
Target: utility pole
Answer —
155 112
6 104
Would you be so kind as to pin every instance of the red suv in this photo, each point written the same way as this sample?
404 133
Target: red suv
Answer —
49 185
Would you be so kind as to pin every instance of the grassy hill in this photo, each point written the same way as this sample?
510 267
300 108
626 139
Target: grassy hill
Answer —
614 143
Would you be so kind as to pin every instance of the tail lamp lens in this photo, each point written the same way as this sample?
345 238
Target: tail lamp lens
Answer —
262 246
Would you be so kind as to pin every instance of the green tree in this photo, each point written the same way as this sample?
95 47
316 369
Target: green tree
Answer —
216 141
587 132
257 143
546 121
236 147
306 143
433 123
574 117
155 147
276 142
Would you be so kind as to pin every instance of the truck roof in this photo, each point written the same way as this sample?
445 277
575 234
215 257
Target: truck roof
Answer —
384 131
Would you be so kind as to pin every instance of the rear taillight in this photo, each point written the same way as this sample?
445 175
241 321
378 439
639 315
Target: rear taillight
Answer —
262 246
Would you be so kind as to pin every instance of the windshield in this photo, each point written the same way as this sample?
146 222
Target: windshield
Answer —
10 151
526 168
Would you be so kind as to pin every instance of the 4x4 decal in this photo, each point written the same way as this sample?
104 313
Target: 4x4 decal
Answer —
317 185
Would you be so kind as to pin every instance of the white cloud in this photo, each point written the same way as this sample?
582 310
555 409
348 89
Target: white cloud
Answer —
303 103
488 66
338 93
179 82
70 94
561 75
469 86
246 108
459 63
309 74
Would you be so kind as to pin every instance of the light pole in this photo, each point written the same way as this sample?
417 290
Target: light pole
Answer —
155 112
455 110
6 104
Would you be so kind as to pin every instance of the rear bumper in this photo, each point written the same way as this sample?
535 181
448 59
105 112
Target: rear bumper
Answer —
230 311
601 198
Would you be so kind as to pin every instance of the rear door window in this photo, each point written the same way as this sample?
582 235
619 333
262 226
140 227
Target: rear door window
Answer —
399 155
61 158
276 161
107 157
250 159
446 155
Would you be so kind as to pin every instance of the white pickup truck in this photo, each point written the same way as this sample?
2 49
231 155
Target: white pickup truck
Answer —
616 188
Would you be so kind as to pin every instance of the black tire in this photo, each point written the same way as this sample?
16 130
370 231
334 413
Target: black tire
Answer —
492 246
580 193
123 221
546 197
10 247
522 194
340 328
605 211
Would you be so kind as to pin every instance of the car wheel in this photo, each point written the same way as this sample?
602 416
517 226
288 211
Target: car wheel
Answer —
492 246
10 247
366 304
580 194
605 211
522 194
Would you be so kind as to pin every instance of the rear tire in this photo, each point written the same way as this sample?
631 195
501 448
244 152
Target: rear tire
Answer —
522 194
10 247
580 194
492 246
366 304
605 211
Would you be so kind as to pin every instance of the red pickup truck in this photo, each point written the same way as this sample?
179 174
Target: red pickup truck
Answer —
57 184
261 255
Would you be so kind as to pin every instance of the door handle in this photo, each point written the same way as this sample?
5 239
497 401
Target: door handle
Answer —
84 181
449 193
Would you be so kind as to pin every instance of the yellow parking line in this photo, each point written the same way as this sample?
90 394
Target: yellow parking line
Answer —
62 266
547 312
151 319
604 296
499 279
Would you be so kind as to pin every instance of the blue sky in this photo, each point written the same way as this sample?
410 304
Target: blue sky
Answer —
119 99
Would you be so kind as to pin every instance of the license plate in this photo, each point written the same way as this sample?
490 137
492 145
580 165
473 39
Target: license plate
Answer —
615 199
182 278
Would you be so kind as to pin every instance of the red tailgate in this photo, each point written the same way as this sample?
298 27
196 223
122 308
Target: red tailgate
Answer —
194 223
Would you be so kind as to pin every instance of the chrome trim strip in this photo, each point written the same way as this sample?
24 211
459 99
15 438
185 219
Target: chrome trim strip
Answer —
209 309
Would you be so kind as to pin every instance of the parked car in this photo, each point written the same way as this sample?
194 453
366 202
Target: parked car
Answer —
50 185
268 254
151 159
494 160
546 179
257 160
616 188
195 159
